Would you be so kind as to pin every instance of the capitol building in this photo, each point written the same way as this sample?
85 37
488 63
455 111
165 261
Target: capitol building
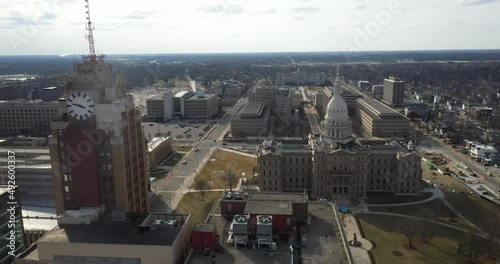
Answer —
336 164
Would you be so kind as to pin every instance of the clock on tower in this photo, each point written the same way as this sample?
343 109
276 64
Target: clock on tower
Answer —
80 106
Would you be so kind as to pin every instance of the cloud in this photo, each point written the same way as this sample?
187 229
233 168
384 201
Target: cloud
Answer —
332 28
299 18
265 11
221 8
360 7
142 14
16 19
475 2
306 9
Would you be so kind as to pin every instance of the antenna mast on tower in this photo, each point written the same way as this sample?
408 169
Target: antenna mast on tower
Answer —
92 57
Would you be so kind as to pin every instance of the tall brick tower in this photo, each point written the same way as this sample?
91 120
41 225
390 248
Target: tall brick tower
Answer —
97 144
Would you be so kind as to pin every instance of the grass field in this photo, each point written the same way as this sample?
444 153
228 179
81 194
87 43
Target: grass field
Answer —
182 148
223 161
388 198
191 203
475 209
441 246
439 211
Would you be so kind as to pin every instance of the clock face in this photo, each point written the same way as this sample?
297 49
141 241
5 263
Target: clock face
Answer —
80 106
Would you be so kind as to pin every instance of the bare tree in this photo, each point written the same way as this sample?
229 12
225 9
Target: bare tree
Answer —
469 246
230 179
451 201
407 227
491 231
424 226
188 136
201 185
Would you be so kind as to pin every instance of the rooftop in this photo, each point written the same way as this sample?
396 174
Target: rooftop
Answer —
198 98
155 142
111 232
378 107
253 109
39 218
204 228
183 94
273 203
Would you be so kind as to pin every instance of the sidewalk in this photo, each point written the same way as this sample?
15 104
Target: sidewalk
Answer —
359 254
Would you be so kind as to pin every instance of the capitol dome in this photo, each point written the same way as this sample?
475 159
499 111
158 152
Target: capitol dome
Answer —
337 126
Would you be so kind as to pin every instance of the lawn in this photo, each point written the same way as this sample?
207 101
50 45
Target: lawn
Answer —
388 198
439 210
441 248
475 209
191 203
222 162
182 148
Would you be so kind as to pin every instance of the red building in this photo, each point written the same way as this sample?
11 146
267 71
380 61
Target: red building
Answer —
286 209
204 236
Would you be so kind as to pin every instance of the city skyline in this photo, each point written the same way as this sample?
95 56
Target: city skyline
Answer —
56 27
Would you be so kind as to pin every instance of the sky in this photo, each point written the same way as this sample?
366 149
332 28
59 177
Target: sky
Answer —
57 27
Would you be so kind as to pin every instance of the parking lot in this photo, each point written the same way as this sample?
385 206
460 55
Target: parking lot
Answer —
178 131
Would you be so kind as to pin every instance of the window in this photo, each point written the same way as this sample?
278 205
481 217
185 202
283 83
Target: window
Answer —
66 188
65 177
109 166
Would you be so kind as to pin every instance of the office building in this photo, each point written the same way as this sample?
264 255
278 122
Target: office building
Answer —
394 91
11 224
86 236
363 85
378 120
301 77
155 108
97 146
158 149
336 165
378 91
185 105
201 107
33 170
251 120
53 93
23 117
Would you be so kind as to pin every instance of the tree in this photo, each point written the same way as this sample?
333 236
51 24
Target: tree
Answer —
201 185
491 231
230 179
469 246
407 227
451 201
412 115
425 214
188 136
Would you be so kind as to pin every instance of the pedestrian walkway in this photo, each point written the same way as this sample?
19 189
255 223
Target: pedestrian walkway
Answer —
351 228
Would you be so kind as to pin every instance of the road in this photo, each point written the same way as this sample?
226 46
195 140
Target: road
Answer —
168 190
427 143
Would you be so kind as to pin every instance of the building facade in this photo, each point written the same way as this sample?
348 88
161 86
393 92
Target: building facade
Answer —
155 108
84 237
97 146
251 120
378 120
335 165
53 93
33 170
301 77
26 117
201 107
394 91
11 224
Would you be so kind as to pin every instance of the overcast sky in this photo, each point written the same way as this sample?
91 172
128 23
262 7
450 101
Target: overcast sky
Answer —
188 26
